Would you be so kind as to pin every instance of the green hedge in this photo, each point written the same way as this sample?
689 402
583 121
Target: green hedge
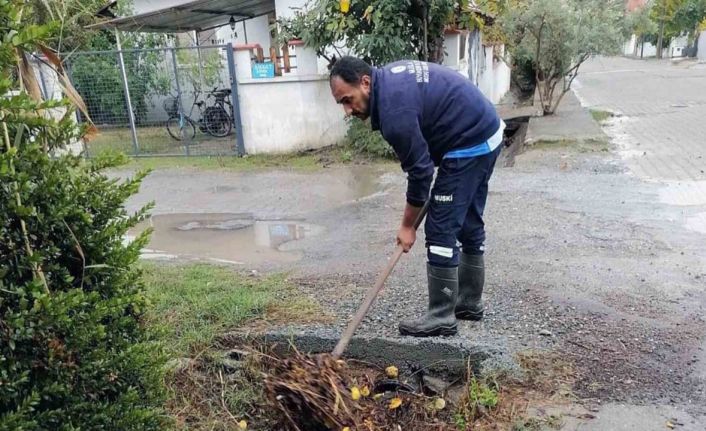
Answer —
74 353
363 140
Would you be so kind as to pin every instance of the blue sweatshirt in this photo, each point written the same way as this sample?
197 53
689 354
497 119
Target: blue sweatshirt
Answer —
425 110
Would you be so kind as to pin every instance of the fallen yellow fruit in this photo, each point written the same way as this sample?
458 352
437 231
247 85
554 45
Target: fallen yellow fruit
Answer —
355 393
365 391
395 403
439 404
242 425
376 397
392 372
346 429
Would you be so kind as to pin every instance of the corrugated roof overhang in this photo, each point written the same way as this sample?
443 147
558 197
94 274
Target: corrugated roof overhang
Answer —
198 15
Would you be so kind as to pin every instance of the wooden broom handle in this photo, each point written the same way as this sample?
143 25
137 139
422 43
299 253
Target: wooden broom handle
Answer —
374 291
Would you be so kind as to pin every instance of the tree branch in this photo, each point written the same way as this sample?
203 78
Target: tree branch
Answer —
572 73
537 62
36 268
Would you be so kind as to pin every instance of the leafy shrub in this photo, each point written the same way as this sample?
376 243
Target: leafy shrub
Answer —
363 140
73 351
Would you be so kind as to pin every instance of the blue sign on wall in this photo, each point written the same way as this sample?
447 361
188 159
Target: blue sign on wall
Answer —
263 70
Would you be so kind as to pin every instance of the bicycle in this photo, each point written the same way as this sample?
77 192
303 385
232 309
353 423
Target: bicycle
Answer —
215 120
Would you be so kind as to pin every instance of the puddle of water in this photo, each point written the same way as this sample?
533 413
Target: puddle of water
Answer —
697 223
626 146
684 193
231 238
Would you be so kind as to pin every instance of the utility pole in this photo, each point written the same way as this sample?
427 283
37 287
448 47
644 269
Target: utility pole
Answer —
660 39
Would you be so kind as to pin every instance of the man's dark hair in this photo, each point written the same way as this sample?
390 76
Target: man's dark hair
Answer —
350 69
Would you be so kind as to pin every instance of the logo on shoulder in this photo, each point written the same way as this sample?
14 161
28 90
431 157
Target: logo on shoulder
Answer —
398 69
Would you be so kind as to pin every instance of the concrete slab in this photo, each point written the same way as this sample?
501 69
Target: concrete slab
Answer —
571 122
620 417
440 356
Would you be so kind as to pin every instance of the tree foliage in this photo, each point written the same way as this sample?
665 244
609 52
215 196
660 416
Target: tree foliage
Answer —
361 139
558 36
98 79
662 12
96 76
380 31
639 23
687 18
660 21
70 17
73 351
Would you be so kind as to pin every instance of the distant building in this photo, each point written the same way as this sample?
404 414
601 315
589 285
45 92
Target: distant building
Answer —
632 5
283 91
634 48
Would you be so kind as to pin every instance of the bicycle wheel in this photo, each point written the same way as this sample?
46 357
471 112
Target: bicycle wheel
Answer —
174 128
217 121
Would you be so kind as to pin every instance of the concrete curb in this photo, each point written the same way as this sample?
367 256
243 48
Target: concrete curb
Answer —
572 122
447 357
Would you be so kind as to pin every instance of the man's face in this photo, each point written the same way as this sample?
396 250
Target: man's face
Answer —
354 97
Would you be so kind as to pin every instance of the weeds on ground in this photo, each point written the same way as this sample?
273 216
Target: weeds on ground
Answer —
296 161
580 146
479 399
209 390
363 141
600 116
207 394
192 305
305 161
547 372
502 401
539 424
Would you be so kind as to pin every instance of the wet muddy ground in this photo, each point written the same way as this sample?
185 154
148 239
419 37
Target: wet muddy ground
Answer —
583 259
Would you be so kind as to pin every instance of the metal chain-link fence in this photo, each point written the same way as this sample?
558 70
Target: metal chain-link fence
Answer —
168 101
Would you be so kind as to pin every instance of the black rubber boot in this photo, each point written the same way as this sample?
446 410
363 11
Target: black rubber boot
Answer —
471 277
440 319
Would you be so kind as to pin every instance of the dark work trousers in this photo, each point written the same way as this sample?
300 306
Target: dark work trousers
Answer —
456 210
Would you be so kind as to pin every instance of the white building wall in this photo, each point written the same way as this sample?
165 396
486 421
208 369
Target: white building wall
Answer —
486 82
675 48
702 46
51 89
452 43
489 72
629 46
286 8
289 114
256 29
649 50
501 75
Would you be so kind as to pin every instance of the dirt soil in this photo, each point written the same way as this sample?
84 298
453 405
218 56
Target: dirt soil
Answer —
583 260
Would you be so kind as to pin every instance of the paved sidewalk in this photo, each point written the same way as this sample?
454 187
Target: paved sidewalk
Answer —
570 122
661 128
662 107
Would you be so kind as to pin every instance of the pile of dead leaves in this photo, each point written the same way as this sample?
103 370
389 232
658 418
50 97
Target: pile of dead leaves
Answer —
320 393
